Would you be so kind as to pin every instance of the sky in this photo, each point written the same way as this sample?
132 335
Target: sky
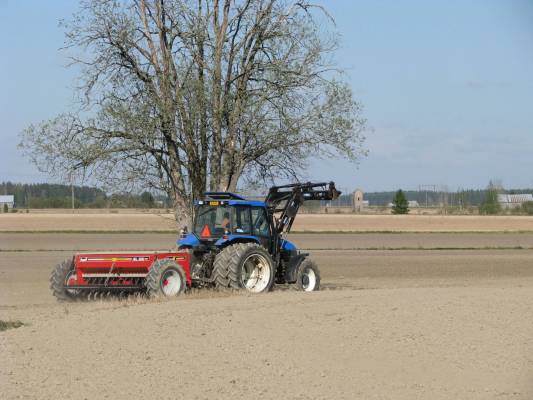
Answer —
446 86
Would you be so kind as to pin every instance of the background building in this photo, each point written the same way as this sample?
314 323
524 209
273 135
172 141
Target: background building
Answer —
358 202
514 200
7 199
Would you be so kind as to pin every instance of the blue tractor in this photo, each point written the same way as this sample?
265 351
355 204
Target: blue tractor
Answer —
238 244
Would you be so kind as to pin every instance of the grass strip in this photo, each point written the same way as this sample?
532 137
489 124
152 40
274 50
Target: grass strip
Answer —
420 248
377 232
85 232
301 249
5 325
407 232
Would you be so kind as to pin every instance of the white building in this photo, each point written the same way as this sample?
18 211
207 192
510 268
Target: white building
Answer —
410 204
514 200
7 199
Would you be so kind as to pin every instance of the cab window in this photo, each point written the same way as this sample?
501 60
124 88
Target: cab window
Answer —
260 222
241 220
212 221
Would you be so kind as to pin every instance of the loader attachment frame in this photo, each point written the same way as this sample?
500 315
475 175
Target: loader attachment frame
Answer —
286 200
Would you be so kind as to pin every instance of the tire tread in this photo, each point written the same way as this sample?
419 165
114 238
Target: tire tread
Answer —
226 266
153 278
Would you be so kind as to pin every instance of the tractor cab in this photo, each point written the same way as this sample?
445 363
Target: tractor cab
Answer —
226 217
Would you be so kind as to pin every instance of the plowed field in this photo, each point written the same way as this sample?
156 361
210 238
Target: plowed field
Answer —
401 316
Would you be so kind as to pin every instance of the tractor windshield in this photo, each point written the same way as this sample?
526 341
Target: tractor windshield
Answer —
212 221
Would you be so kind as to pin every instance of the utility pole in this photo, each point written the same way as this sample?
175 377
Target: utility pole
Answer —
427 188
74 168
72 188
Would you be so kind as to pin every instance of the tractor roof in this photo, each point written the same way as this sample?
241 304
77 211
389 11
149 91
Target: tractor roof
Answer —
223 196
228 198
254 203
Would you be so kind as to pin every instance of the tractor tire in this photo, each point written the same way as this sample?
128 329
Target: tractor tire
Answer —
308 276
166 278
59 278
244 266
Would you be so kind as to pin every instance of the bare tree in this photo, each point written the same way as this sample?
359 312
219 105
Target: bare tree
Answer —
189 95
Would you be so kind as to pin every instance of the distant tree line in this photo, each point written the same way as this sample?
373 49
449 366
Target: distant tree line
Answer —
46 195
464 198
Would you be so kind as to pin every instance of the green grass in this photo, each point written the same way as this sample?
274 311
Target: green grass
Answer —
434 248
408 232
65 232
5 325
418 248
176 232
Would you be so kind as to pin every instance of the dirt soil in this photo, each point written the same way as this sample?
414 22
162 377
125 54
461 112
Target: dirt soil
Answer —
389 324
304 223
345 241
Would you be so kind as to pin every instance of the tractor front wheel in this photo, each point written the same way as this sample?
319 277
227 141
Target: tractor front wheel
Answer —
308 276
245 266
165 279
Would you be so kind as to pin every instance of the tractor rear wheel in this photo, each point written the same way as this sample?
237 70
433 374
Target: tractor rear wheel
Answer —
308 276
245 266
61 274
166 278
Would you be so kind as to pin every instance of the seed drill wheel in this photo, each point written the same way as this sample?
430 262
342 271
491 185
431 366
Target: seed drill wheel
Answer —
59 278
308 276
245 266
166 278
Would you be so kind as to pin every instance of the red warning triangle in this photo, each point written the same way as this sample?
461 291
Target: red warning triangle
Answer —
205 231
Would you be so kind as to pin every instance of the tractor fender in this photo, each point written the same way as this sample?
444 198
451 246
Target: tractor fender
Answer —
288 246
292 267
190 240
226 240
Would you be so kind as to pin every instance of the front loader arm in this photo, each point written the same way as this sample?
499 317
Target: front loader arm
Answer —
287 200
